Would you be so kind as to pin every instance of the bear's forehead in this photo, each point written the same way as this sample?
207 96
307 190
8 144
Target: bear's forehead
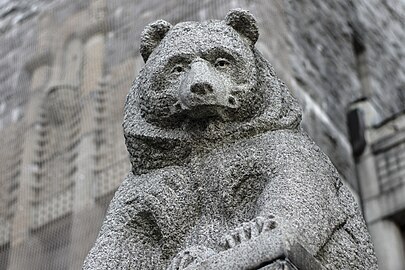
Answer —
197 38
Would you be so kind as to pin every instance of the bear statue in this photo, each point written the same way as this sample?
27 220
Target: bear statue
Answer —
222 175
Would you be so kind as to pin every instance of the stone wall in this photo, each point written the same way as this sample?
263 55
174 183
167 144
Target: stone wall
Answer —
329 53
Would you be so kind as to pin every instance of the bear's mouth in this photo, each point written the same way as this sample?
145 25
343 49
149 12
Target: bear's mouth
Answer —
206 111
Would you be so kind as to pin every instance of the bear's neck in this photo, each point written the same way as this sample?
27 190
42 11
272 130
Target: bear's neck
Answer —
163 148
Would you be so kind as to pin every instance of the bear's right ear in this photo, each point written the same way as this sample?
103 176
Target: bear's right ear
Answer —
151 37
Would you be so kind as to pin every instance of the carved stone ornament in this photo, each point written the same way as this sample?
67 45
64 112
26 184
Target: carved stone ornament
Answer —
222 175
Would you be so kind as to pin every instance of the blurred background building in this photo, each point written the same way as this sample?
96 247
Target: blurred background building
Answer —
66 67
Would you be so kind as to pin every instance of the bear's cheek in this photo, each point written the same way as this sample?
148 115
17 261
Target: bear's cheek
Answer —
240 73
166 83
157 105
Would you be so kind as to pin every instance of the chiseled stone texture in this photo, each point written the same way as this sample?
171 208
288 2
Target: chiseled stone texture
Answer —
222 175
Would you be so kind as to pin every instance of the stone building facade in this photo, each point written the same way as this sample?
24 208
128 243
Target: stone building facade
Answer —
66 67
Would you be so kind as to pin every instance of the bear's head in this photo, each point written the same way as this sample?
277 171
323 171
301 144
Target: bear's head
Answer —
202 83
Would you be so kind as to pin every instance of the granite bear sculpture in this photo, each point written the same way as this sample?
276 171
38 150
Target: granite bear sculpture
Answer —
222 176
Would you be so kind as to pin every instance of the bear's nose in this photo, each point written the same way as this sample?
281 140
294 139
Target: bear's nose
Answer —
201 88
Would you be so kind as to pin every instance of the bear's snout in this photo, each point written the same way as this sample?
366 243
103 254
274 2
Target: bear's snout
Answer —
203 92
201 89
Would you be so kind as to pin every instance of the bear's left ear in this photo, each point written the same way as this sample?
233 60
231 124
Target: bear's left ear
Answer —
244 23
151 37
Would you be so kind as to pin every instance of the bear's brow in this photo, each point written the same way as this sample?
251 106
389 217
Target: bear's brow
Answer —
220 52
179 58
208 54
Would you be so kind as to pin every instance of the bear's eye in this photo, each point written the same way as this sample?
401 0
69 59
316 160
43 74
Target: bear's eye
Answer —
221 62
178 69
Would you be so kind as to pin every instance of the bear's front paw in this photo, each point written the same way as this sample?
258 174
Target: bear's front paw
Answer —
192 255
247 231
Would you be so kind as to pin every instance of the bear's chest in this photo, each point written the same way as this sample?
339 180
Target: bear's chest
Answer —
229 182
230 179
